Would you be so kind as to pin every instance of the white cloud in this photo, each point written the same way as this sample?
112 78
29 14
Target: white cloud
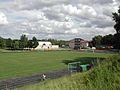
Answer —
31 15
72 31
3 19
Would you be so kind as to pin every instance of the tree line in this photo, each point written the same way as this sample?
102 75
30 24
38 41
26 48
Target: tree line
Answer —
110 40
18 44
24 43
103 41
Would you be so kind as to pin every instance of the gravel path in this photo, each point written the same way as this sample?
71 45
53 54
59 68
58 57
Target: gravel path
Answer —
22 81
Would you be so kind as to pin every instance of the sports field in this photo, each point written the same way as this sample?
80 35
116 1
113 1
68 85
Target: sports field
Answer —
27 63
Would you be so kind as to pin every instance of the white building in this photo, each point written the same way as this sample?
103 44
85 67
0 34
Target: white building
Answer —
43 45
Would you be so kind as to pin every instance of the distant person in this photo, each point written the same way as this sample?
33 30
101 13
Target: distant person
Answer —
44 77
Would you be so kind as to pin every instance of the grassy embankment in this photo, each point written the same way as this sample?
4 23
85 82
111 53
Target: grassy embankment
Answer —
105 76
27 63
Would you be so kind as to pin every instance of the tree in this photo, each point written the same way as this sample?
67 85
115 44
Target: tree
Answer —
107 40
30 44
116 42
34 42
23 41
15 44
97 40
9 43
2 42
116 18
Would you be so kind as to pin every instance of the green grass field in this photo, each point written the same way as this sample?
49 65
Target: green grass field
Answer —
27 63
3 50
105 76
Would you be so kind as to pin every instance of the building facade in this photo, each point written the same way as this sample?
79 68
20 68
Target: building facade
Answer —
78 43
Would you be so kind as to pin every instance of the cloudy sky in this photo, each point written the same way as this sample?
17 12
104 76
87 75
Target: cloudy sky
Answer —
58 19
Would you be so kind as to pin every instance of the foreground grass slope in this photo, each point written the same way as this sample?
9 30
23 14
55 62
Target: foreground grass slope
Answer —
105 76
27 63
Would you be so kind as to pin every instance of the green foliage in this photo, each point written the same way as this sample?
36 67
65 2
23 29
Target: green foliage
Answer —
34 42
116 18
116 41
105 76
97 41
18 44
107 40
2 43
30 44
23 41
9 43
15 44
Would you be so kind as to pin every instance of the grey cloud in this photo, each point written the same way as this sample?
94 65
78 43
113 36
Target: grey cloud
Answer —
37 4
102 23
103 1
94 1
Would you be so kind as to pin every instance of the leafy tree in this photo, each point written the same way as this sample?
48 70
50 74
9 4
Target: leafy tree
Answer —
107 40
116 42
15 44
2 42
34 42
116 18
9 43
30 44
23 41
97 40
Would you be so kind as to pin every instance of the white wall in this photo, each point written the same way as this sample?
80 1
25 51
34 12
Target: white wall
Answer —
72 44
55 46
46 46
